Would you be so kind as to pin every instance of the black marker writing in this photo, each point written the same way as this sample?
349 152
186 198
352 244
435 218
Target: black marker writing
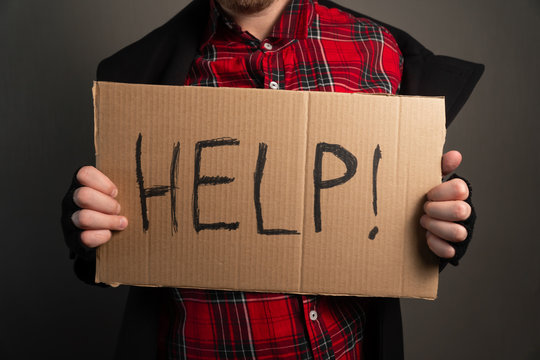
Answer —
350 163
159 190
209 180
257 176
377 156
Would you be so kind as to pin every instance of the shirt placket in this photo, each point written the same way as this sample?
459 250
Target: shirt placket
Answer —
321 345
271 64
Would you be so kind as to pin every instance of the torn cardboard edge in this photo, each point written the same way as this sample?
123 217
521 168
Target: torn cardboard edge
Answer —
331 261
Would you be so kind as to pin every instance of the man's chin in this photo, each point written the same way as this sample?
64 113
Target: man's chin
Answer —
245 6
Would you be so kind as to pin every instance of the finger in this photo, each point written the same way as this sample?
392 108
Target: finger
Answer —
94 220
446 230
450 161
92 177
88 198
448 210
95 238
455 189
439 247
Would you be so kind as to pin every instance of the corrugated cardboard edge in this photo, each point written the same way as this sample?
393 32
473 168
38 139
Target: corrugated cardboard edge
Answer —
116 284
96 97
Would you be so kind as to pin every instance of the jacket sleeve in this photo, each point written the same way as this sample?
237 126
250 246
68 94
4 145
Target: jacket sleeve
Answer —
146 61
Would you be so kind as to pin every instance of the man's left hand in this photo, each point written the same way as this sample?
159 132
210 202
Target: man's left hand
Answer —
445 204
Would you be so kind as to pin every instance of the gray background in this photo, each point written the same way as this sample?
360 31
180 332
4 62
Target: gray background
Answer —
488 307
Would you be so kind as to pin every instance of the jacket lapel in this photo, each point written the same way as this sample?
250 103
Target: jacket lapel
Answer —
427 74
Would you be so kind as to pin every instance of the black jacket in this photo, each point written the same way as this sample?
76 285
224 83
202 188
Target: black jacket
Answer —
164 57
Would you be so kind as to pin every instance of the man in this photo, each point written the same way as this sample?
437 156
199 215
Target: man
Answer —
274 44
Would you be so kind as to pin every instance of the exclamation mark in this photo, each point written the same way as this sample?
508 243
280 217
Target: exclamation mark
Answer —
376 157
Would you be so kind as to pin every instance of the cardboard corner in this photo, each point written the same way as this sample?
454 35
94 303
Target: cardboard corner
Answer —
244 211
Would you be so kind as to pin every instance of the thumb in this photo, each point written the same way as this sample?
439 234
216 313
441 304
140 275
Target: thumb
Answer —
450 162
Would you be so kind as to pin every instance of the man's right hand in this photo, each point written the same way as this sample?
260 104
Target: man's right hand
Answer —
100 211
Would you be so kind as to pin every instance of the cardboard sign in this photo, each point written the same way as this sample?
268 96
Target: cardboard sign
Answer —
273 191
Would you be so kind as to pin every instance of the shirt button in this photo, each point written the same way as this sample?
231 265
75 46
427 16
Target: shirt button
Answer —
268 46
313 315
274 85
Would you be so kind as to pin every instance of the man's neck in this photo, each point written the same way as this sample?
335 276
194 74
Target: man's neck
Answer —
259 24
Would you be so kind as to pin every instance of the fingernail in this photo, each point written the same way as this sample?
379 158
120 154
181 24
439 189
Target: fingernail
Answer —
123 223
114 193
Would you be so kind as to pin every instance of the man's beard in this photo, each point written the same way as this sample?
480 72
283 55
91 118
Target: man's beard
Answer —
245 6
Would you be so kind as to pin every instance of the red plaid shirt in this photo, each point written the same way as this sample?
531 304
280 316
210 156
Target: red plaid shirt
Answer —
314 48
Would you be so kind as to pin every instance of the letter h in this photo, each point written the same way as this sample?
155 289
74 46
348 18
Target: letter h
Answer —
158 190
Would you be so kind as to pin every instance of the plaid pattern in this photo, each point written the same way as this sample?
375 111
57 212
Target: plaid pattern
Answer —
310 48
214 324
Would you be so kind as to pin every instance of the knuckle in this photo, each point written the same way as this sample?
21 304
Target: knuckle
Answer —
432 209
427 206
107 188
423 220
84 173
448 252
87 239
82 197
440 247
86 218
114 222
460 189
463 233
95 238
76 196
75 218
117 208
103 236
461 210
429 239
459 233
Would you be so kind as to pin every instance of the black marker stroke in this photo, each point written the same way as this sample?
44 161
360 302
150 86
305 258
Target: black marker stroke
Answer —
209 180
350 162
257 176
157 190
377 156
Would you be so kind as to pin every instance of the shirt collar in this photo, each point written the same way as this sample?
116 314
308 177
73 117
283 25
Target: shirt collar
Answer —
293 23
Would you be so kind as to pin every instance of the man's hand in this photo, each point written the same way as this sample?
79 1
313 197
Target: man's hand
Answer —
444 206
99 212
